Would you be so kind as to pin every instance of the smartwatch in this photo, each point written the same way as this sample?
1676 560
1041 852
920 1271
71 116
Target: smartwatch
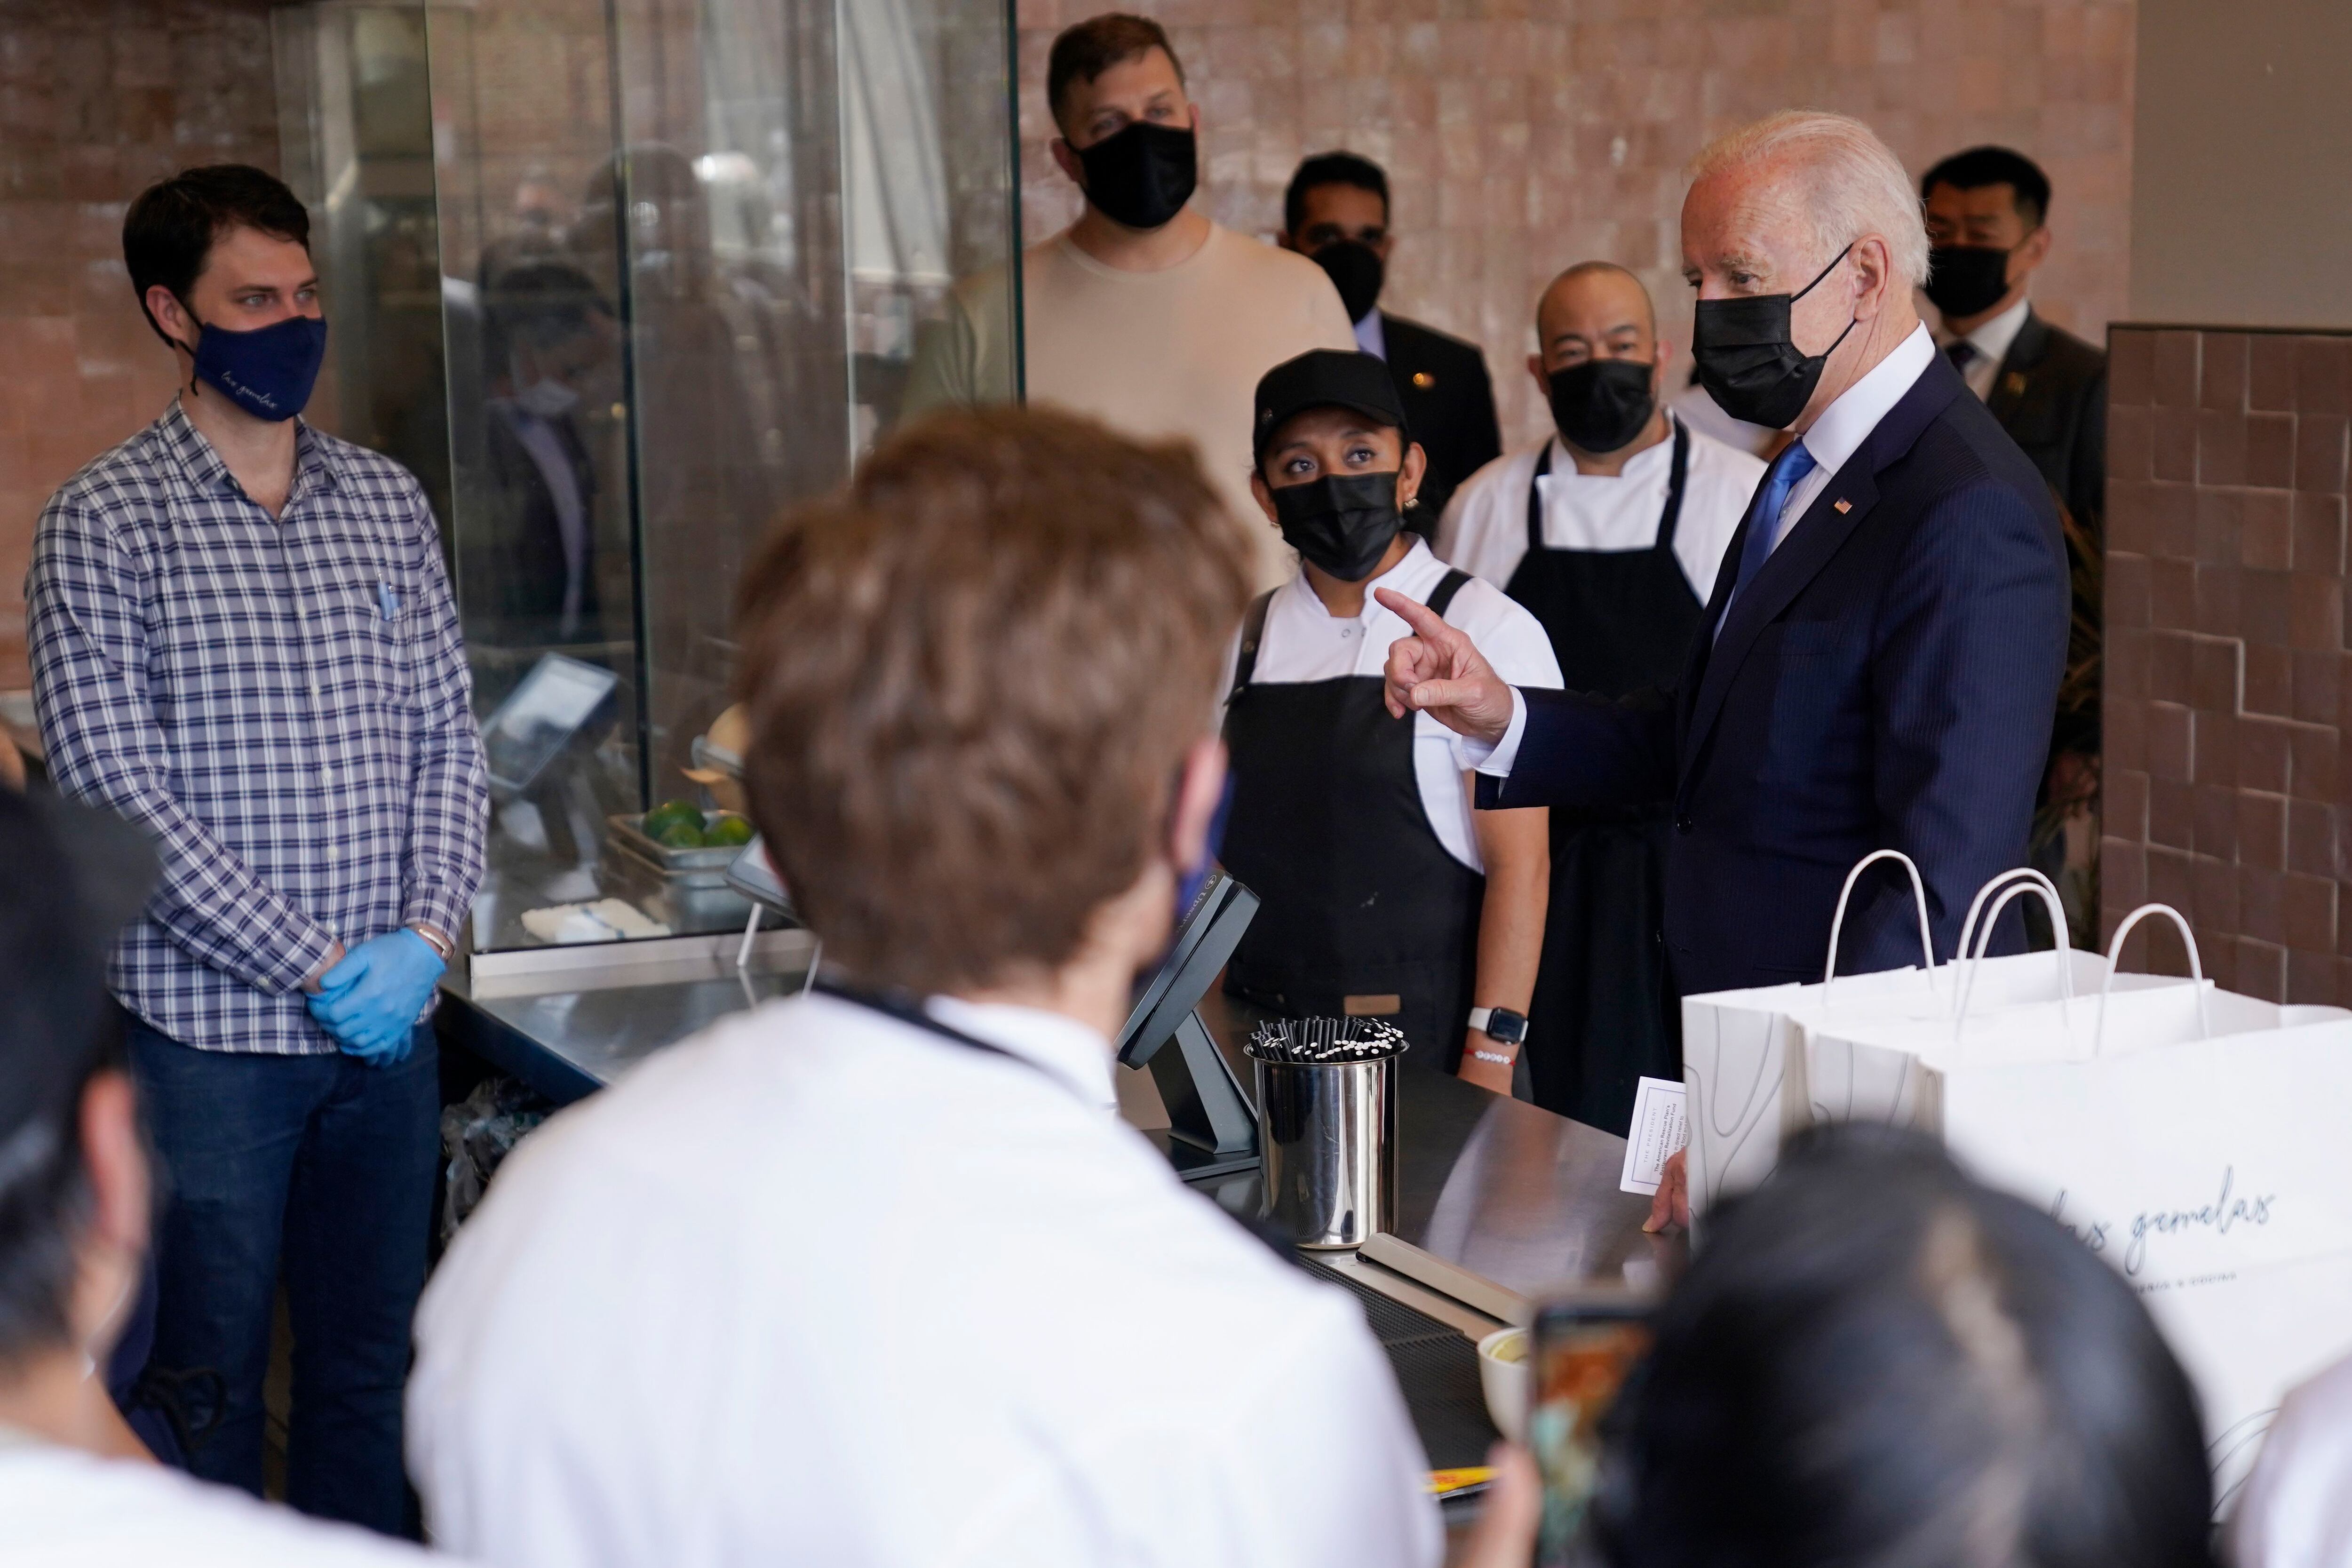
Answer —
1500 1024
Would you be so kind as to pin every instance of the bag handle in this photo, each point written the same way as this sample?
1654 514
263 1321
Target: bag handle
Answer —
1837 922
2114 951
1998 881
2039 886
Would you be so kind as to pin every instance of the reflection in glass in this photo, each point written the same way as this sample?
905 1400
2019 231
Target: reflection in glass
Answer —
685 248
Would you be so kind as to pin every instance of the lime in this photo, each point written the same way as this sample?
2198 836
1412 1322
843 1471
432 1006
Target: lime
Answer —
729 828
671 814
680 835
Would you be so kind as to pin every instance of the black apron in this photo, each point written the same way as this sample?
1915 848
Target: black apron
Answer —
1603 1014
1361 911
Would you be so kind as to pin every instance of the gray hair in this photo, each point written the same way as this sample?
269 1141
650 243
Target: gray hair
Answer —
1853 184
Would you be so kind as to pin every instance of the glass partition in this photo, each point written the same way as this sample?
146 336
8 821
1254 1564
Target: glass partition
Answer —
681 252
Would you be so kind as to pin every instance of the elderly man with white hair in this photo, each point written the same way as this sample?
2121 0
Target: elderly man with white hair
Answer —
1878 664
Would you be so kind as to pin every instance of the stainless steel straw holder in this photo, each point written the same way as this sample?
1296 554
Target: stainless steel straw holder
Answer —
1327 1117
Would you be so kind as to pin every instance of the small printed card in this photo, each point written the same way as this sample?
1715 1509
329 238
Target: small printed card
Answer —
1658 1132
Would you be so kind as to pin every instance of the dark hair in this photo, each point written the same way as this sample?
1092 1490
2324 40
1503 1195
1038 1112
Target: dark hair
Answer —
1331 169
58 1029
1874 1360
171 225
942 826
1981 166
1084 50
542 303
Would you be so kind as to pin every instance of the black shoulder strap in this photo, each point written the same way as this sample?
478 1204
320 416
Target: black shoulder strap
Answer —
1534 500
1447 586
1675 475
1253 634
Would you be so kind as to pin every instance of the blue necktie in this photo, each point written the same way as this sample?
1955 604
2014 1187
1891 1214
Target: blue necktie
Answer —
1787 472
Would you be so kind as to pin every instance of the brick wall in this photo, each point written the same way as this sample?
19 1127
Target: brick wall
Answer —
2226 674
1523 135
98 98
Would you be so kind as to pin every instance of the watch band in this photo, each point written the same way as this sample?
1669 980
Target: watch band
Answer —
436 941
1500 1024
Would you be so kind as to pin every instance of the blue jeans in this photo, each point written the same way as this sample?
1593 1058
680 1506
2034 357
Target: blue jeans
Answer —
321 1168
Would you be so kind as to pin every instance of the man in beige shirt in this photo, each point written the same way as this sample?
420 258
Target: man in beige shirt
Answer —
1143 313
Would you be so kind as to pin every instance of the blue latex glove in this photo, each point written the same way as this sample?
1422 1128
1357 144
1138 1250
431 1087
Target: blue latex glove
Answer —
371 1000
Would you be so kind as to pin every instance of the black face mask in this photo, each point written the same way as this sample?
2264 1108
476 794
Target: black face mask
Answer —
1342 523
1356 271
1966 280
1603 403
1745 360
1140 176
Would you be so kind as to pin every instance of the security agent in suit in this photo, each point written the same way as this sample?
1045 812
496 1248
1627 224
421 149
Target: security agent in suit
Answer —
1336 211
1988 218
1879 659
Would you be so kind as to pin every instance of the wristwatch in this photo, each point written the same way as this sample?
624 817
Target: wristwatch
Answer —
1500 1024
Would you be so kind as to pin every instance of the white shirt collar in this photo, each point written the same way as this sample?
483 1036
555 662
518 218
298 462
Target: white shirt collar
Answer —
1652 460
1845 425
1414 576
1991 339
1054 1044
1370 336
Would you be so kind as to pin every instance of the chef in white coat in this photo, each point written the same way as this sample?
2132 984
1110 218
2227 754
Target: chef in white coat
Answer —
1610 531
876 1276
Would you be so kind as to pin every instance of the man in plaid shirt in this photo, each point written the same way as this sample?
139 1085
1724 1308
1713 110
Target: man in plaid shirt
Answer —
243 640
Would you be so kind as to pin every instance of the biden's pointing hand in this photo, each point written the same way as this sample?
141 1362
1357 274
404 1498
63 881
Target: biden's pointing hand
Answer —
1439 671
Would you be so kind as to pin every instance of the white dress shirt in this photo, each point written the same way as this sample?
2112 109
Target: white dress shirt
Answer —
1485 530
65 1508
1992 340
818 1286
1305 642
1835 437
1371 336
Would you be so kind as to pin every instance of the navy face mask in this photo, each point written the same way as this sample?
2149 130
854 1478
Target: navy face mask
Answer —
267 372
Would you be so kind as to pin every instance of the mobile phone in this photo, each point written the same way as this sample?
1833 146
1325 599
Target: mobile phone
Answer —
1582 1348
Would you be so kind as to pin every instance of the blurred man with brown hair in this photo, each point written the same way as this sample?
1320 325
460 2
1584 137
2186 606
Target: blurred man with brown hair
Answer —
895 1231
1143 313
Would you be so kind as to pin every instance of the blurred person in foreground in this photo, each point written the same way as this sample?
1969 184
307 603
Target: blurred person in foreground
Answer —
243 642
1144 313
76 1185
876 1275
1877 1363
1336 213
2295 1509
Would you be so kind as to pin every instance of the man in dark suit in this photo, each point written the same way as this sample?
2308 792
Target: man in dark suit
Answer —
1878 661
1336 211
1988 218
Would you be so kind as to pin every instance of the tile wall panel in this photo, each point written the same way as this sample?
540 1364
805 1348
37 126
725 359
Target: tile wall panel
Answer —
1523 135
97 99
2226 686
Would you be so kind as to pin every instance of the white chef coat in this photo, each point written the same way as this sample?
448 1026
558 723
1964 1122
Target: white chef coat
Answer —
60 1508
2295 1509
818 1286
1991 340
1696 407
1485 530
1305 642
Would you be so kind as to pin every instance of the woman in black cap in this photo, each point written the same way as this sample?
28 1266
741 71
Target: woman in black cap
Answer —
1384 894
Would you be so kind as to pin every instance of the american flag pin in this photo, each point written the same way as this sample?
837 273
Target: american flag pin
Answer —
1845 506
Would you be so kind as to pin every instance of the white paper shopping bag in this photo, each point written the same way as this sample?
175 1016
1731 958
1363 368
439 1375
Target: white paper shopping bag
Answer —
1743 1065
2181 1131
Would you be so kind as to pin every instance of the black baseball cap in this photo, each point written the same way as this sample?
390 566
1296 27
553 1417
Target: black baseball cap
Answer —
76 877
1324 378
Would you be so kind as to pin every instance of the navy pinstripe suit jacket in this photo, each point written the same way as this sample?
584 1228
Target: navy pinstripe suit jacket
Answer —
1887 681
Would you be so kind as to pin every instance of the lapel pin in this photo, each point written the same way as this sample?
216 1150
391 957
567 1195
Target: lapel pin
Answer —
1424 379
1844 506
